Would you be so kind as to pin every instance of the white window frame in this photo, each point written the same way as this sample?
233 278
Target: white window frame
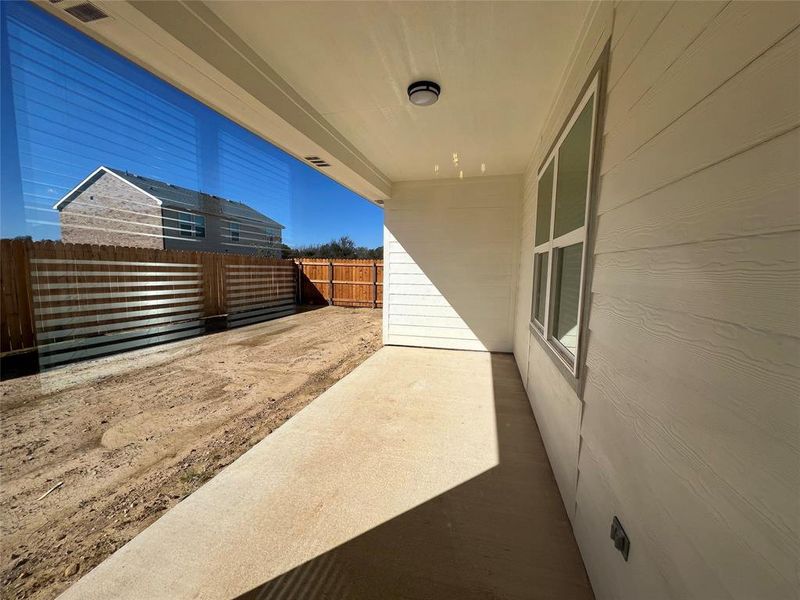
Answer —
577 236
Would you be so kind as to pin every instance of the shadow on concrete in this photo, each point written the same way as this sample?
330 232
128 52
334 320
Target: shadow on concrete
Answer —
503 534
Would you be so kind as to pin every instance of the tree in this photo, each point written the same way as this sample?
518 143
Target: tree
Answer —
344 247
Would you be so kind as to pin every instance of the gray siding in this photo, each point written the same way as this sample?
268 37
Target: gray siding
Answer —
111 212
252 236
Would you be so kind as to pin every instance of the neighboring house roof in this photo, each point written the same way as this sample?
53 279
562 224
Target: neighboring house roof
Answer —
173 196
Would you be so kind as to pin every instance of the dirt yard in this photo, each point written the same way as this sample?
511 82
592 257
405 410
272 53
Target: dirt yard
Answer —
131 435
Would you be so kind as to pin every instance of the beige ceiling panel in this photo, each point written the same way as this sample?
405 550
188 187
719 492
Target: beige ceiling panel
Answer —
499 65
330 78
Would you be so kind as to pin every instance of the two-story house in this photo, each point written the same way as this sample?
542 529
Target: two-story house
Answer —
114 207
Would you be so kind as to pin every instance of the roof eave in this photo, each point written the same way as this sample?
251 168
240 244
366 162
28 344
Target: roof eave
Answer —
66 199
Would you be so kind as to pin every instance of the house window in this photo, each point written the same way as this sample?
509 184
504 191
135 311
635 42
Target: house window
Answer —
234 230
185 224
199 226
562 211
190 225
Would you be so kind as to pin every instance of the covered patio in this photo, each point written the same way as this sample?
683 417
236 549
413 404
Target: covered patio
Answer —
419 475
606 189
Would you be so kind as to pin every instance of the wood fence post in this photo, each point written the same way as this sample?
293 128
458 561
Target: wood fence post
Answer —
214 289
222 283
19 330
374 284
300 281
330 282
29 326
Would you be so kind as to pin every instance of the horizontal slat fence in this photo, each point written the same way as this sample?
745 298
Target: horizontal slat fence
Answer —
67 302
256 292
341 282
73 301
88 301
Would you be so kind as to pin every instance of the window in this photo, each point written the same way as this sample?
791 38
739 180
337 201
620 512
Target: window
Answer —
190 225
199 226
234 230
562 209
185 224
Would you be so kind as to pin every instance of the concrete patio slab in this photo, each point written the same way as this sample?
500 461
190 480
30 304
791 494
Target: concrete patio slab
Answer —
419 475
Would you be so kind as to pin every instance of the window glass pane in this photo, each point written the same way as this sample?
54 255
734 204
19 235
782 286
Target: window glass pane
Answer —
170 223
573 174
199 226
544 199
568 285
539 293
234 232
186 224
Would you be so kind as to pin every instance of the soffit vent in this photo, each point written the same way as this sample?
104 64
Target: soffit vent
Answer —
316 160
86 12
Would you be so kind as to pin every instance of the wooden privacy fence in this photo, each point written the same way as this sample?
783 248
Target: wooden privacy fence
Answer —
75 301
341 282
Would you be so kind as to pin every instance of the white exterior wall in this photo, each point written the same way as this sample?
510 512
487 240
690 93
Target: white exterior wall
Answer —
689 422
450 250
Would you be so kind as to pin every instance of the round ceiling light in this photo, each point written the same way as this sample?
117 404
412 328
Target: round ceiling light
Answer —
424 93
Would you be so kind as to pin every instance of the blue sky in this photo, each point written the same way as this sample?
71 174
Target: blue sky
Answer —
69 105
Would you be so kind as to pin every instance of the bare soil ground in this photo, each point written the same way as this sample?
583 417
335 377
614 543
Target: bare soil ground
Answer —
131 435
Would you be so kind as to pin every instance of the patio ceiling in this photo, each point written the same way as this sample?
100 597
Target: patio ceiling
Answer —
329 79
499 64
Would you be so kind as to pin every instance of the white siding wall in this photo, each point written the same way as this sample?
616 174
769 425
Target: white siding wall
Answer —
557 407
450 250
689 425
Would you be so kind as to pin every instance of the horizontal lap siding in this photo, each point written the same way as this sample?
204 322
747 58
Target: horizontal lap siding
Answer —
753 107
690 426
728 43
450 259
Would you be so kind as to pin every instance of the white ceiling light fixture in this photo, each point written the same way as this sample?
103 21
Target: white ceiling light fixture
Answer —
424 93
